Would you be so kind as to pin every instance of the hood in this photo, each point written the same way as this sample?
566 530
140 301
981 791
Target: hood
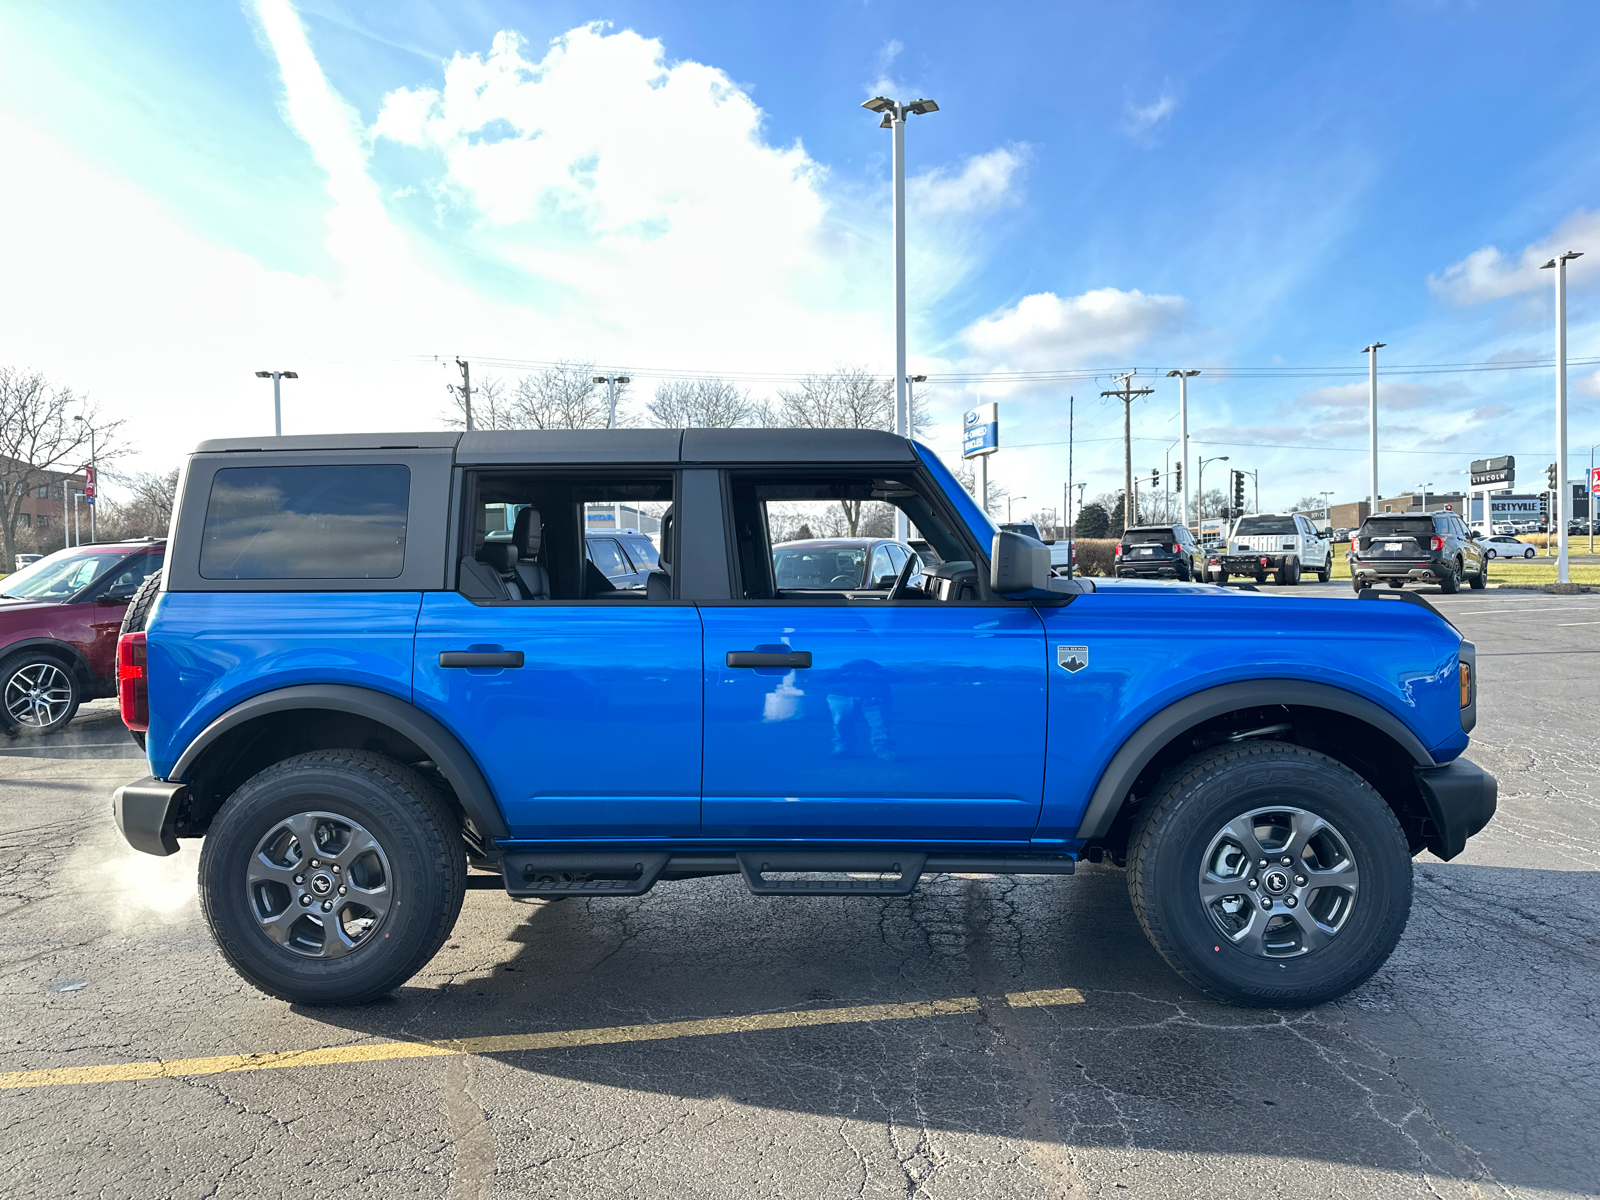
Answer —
24 605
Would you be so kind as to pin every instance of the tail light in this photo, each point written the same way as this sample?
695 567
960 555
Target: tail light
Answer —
133 683
1177 547
1436 543
1119 550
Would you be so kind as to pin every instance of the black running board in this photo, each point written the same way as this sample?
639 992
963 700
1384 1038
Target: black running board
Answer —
559 874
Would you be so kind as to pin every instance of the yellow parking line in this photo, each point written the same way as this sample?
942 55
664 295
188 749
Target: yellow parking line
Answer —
229 1064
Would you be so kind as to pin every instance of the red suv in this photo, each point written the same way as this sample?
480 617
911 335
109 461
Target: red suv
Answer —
59 619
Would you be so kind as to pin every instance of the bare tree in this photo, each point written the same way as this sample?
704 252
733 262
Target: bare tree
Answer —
147 510
967 477
564 396
703 404
40 441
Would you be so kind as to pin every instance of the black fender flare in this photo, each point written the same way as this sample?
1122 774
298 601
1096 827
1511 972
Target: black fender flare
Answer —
1144 743
62 649
432 738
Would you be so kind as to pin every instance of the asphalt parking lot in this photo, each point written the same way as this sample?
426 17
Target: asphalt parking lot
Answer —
989 1037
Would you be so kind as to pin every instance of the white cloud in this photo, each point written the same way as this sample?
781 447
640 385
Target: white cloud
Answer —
1489 274
1589 385
1046 330
985 181
1139 121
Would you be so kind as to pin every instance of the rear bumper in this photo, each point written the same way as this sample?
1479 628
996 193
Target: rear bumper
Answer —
1151 568
1250 564
146 813
1461 797
1419 571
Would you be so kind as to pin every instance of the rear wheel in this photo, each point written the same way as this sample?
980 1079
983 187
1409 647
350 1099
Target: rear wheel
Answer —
1481 580
134 618
1269 874
1360 585
1450 581
332 877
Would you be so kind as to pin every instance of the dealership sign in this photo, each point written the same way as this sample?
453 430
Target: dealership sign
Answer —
980 432
1487 472
1513 508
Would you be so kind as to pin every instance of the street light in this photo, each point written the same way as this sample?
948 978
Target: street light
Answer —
277 399
1010 500
1200 488
611 382
1425 488
1183 378
94 478
1372 420
1563 502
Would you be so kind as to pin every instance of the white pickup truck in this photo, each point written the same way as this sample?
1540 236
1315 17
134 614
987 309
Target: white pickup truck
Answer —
1280 544
1062 553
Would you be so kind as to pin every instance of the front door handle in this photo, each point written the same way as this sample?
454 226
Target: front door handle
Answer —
480 658
764 658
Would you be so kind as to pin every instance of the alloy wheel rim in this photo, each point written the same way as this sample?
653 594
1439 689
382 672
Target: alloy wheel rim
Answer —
38 695
1279 882
319 885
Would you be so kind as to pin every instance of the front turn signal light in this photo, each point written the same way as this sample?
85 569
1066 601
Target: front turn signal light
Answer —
1466 684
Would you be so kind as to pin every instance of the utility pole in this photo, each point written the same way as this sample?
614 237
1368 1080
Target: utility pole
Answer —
1558 510
1126 394
466 389
277 399
1372 420
1071 405
1183 430
611 382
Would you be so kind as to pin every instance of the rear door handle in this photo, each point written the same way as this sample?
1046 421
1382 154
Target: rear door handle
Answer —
479 658
763 658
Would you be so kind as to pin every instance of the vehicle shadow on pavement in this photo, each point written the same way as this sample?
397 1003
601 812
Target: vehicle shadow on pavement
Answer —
1474 1046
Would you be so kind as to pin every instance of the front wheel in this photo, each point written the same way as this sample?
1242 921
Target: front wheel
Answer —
1270 875
1325 571
1528 553
332 877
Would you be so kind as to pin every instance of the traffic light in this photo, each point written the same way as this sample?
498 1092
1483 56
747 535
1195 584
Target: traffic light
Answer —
1544 506
1155 480
1238 490
1177 478
1550 477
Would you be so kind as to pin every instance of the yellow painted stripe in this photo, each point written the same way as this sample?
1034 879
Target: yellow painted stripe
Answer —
227 1064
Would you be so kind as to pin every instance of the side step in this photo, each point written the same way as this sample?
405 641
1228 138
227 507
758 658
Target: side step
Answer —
558 874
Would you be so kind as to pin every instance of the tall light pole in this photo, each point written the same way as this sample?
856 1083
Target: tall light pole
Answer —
1563 501
1425 488
277 398
1183 378
1010 500
611 382
1372 421
902 523
94 479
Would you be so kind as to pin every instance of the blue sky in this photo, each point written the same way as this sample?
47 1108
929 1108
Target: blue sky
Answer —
353 189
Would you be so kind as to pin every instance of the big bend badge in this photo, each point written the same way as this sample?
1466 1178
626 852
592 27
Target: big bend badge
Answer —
1073 658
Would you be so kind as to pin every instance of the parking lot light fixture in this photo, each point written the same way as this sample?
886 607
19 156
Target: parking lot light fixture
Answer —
277 398
1200 489
1563 502
611 382
1372 421
1183 378
1010 500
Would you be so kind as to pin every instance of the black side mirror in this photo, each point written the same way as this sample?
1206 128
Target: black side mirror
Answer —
883 583
1019 565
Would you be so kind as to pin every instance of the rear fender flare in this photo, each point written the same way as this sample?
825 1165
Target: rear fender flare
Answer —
1157 731
437 742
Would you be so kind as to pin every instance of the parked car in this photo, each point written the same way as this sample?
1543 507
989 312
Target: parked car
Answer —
59 619
1501 546
1401 548
1158 552
1278 544
625 558
26 560
842 564
351 694
1063 551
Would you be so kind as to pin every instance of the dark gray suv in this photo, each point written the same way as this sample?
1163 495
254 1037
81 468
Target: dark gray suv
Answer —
1402 548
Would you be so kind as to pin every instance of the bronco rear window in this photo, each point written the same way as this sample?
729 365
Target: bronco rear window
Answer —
322 522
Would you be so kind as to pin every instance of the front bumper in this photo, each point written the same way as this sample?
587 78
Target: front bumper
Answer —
1460 797
146 813
1414 570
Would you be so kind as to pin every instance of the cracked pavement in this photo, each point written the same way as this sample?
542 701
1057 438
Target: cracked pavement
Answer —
1468 1067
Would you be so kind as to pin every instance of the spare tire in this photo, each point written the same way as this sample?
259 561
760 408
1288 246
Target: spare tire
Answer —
133 621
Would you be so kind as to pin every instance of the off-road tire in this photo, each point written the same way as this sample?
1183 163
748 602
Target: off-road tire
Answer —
60 672
419 833
1170 841
134 618
1451 583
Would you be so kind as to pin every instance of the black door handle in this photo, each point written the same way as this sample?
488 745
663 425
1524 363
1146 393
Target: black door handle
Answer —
762 658
477 658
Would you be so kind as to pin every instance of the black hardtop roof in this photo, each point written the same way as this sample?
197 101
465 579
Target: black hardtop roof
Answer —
580 446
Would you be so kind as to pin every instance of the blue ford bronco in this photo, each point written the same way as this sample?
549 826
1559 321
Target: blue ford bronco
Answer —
378 670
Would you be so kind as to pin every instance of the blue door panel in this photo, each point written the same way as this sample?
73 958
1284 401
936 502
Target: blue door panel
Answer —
597 735
208 651
914 722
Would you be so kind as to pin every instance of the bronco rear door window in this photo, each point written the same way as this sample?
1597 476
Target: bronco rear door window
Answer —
321 522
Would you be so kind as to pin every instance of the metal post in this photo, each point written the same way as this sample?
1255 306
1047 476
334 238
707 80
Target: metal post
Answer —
94 468
1372 420
898 128
983 482
1558 510
77 523
1589 490
1183 434
277 404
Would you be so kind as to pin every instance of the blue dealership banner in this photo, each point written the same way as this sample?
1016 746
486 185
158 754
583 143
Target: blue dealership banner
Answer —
981 431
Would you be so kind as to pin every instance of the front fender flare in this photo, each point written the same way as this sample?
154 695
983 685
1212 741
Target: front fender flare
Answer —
1144 743
431 737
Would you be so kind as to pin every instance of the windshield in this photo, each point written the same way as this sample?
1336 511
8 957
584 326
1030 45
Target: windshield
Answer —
61 574
643 554
1257 526
1145 537
818 568
1404 527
